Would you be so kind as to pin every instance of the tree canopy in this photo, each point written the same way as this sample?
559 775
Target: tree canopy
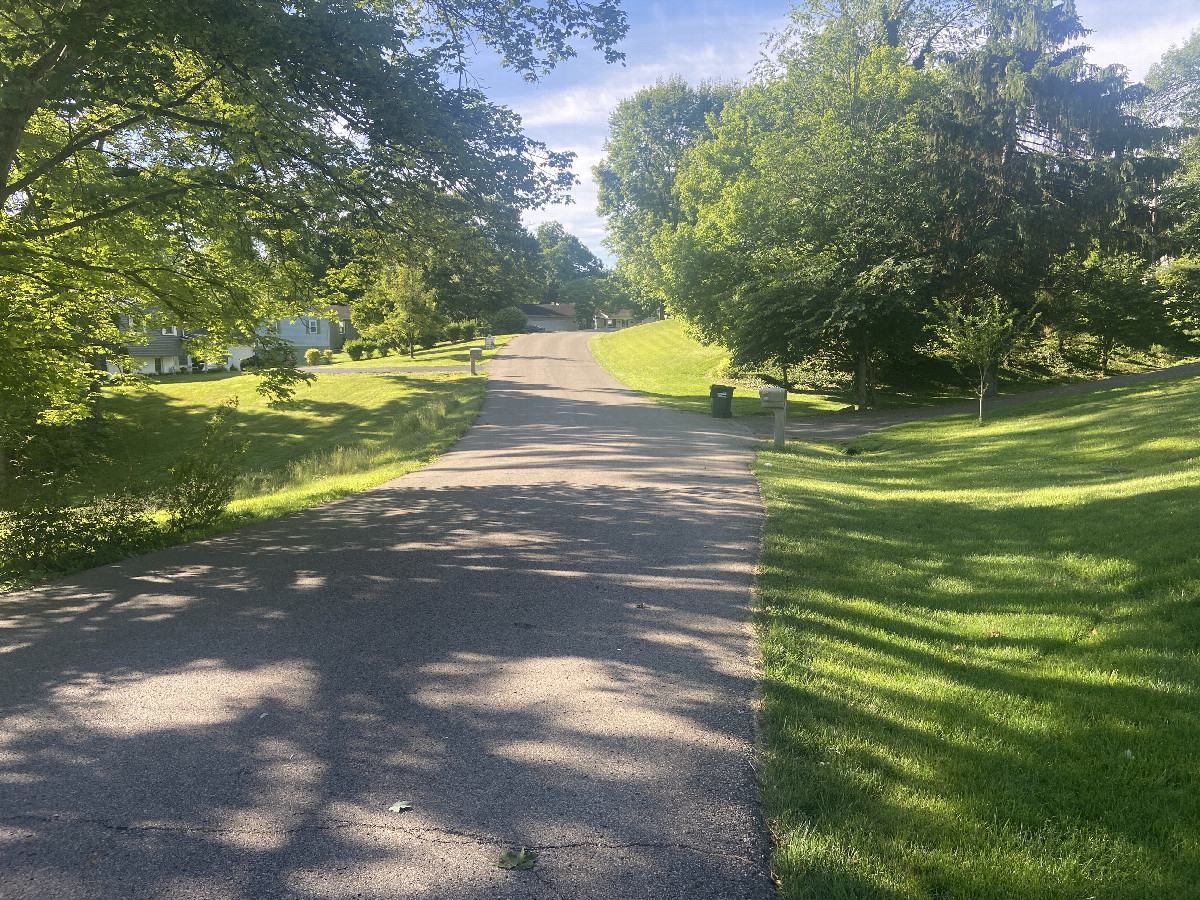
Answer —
213 161
890 156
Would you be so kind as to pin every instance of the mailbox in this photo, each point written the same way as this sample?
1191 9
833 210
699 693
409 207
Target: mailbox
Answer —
773 397
476 353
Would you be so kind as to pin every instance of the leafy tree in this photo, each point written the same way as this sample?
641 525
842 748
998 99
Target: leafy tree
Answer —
564 256
649 133
1174 83
980 337
207 158
1180 284
1037 152
1114 299
398 310
805 213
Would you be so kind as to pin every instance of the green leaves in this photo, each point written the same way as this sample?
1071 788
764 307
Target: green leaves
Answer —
517 860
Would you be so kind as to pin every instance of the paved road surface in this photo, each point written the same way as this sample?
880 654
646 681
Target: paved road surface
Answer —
539 640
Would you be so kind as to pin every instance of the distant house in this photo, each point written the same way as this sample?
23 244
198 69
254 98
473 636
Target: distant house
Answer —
611 321
550 316
327 330
165 352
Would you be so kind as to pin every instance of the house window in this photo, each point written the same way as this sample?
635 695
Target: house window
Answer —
312 326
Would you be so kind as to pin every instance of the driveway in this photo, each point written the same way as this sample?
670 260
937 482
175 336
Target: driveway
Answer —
540 640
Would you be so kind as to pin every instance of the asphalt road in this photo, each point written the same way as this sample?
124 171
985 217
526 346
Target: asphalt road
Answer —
541 640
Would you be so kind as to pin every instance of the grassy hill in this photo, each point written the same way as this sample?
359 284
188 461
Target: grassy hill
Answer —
660 361
980 655
341 434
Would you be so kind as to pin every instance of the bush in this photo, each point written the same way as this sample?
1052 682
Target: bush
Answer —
509 321
384 350
204 481
326 356
468 331
312 357
429 338
369 349
454 332
52 536
354 349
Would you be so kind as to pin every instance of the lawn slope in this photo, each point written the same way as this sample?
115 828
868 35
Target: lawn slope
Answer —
340 434
660 361
980 655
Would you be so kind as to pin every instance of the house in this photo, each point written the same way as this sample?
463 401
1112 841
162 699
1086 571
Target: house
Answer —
327 330
165 352
611 321
550 316
162 353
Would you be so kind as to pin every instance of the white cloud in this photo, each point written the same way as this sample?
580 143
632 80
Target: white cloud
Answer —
1141 46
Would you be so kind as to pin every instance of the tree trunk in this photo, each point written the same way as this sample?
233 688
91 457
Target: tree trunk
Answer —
982 391
991 383
861 377
1105 349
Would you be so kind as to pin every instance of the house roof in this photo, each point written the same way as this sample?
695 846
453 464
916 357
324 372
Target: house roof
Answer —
616 314
548 310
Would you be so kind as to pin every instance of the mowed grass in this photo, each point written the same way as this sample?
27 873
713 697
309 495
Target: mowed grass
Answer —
457 354
340 434
981 655
662 362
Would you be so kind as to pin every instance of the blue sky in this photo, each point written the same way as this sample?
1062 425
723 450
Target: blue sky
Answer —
722 39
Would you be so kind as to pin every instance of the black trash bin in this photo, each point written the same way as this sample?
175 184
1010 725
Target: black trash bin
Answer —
722 401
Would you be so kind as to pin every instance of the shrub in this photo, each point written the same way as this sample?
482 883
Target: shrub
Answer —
509 321
454 332
384 350
468 332
429 338
53 536
312 357
326 356
354 349
204 481
369 349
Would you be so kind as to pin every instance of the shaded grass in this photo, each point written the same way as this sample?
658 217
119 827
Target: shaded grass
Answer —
458 354
661 362
980 655
340 435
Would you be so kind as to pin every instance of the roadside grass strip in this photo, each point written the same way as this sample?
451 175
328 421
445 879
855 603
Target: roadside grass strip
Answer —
660 361
443 355
339 435
981 655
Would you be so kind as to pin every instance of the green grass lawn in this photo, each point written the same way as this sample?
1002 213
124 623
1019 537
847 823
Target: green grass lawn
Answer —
340 434
981 655
458 354
662 362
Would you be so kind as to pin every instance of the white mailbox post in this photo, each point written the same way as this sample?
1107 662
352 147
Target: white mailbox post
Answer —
775 398
476 355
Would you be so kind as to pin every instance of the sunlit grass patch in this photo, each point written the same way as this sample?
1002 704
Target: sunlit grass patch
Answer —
981 652
662 362
456 354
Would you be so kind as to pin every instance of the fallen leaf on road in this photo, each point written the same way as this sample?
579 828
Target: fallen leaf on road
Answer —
518 860
400 806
